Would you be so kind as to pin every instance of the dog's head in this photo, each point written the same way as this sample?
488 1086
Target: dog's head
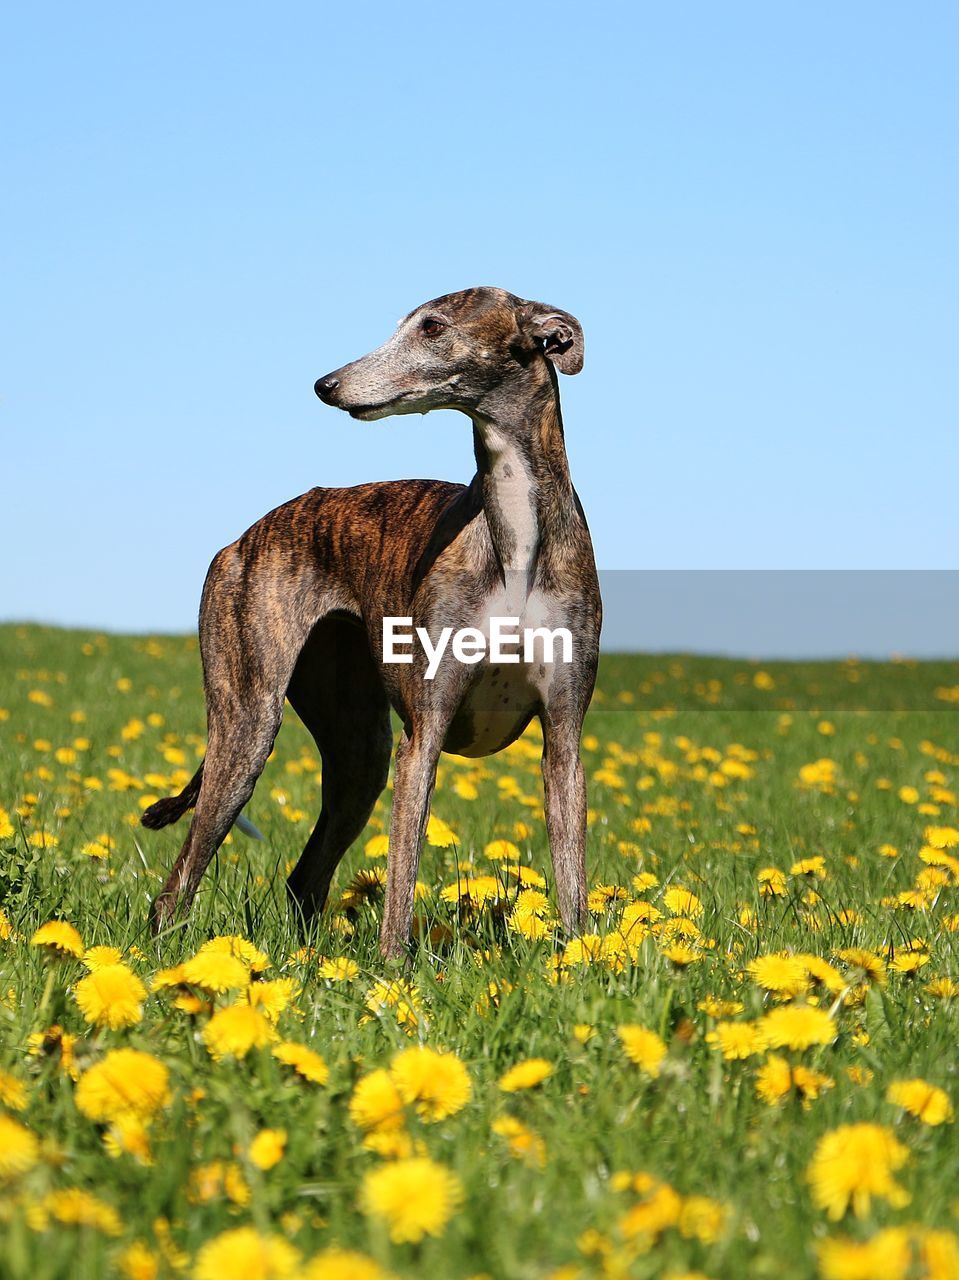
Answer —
453 352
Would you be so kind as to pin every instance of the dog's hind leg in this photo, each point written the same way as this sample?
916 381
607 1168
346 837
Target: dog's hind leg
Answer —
250 636
337 692
240 741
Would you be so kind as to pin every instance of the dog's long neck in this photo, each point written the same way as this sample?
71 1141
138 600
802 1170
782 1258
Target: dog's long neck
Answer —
523 476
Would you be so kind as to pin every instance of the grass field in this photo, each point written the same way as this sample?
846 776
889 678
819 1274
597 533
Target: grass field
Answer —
747 1064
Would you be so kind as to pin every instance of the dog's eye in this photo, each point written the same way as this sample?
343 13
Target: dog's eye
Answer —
431 326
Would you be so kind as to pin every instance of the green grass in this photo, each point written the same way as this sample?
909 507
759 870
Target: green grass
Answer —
666 737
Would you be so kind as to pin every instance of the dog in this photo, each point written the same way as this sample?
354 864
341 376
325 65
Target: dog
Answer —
295 609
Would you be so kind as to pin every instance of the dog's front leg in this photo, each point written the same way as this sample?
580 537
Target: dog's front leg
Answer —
564 783
413 781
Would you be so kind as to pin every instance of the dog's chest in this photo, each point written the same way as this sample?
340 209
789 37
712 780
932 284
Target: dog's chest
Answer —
501 697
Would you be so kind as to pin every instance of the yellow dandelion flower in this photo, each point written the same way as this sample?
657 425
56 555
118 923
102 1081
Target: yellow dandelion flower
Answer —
523 1143
138 1262
215 970
603 896
638 914
642 1046
941 837
737 1040
821 774
392 1144
13 1093
235 1030
815 868
776 1079
823 973
702 1219
437 1083
304 1061
342 1264
529 924
908 962
127 1082
376 1102
233 945
679 927
531 901
861 1076
644 880
111 996
854 1163
129 1135
206 1182
679 954
396 997
60 938
194 1005
873 967
172 1254
366 886
810 1084
943 988
660 1210
55 1043
772 882
267 1148
97 957
585 949
78 1208
95 849
273 997
244 1252
165 979
784 974
439 835
477 891
526 1075
927 1102
797 1027
938 1252
414 1197
714 1007
888 1254
338 969
19 1148
500 849
681 902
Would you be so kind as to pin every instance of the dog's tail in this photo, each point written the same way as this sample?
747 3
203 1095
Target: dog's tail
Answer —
170 808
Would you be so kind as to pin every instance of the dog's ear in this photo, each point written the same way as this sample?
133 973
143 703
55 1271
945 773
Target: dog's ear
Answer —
558 334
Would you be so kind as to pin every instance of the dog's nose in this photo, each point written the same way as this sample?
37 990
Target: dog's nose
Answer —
324 387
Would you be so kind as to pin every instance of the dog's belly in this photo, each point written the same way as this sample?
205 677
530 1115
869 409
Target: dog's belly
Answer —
496 710
503 698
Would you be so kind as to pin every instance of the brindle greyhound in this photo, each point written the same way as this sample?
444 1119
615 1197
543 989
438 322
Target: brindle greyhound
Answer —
294 608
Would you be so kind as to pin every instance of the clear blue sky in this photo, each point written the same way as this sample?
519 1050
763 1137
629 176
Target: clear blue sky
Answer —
752 208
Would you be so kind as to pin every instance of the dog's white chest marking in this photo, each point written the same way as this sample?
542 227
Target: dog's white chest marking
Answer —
511 506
